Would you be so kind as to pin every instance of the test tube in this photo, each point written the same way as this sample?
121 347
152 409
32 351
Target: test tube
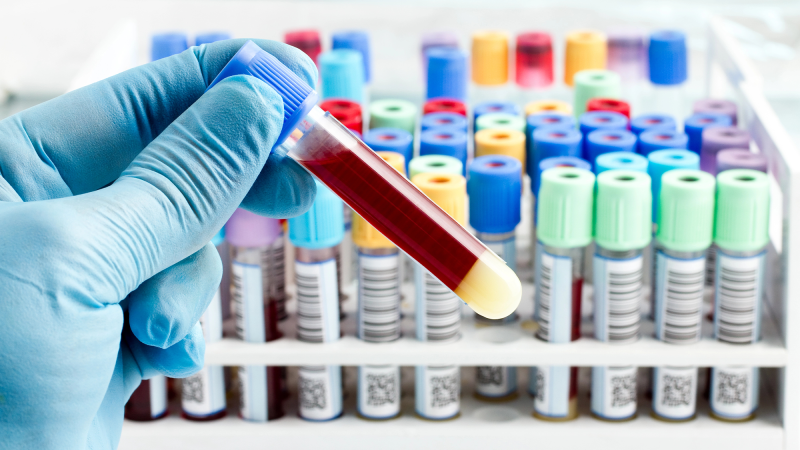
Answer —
447 142
357 40
549 142
438 310
564 209
600 142
316 235
447 73
622 231
740 159
548 106
489 58
392 113
167 44
586 49
667 57
251 239
493 141
534 60
391 140
306 41
441 104
442 120
609 104
491 107
347 112
620 161
533 122
437 39
718 139
500 121
644 122
594 83
378 320
716 106
341 75
661 139
599 120
380 194
627 56
435 164
148 401
697 122
741 233
685 226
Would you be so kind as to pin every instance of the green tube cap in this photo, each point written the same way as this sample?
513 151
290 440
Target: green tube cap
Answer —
591 84
742 216
500 121
435 164
623 217
686 210
393 114
566 200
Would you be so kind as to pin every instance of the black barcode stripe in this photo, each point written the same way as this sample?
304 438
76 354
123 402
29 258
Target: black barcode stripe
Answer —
545 290
238 304
683 303
737 313
442 310
310 326
379 300
623 297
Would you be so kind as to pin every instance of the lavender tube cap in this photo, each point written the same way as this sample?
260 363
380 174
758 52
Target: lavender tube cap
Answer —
717 139
710 105
740 159
246 229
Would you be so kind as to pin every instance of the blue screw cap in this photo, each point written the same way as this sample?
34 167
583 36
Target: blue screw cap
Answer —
652 140
447 73
602 120
167 44
341 75
646 122
391 140
448 142
697 122
667 57
533 122
495 107
557 161
554 141
662 161
298 97
355 40
208 38
440 120
599 142
494 185
322 226
620 160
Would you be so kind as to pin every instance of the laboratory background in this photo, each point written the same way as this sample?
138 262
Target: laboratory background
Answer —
601 251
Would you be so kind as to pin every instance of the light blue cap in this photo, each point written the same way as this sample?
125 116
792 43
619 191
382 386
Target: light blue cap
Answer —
322 226
697 122
167 44
355 40
439 120
214 36
620 160
553 141
341 75
662 161
558 161
447 73
448 142
600 142
652 140
219 237
651 122
494 187
391 140
667 57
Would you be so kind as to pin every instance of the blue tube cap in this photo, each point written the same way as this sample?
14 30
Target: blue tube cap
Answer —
495 107
696 123
602 120
494 186
448 142
667 57
355 40
553 141
652 140
341 74
391 140
662 161
599 142
440 120
207 38
298 97
558 161
322 226
447 73
532 123
167 44
646 122
620 160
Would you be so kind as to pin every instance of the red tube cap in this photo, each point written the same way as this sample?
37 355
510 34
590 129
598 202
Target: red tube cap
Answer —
345 111
305 40
442 104
534 60
609 104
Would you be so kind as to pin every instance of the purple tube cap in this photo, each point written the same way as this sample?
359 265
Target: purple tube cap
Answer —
736 158
439 39
246 229
710 105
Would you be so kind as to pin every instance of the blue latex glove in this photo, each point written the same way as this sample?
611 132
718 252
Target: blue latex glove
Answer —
109 196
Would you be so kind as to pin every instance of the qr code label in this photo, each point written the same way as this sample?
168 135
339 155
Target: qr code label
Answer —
676 392
440 389
313 394
734 391
320 392
192 388
614 392
379 391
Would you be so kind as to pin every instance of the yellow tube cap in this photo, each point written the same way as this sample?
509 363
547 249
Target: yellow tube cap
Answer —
490 57
449 191
548 106
586 49
364 234
501 142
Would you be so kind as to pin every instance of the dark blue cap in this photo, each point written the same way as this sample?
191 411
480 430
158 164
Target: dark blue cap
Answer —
167 44
447 73
557 161
661 162
667 57
207 38
653 140
599 142
441 120
495 107
448 142
652 122
600 120
553 141
391 140
494 186
356 40
535 121
697 122
620 160
298 97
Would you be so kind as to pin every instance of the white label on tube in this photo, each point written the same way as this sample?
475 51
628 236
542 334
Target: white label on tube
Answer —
552 391
675 392
506 250
438 391
276 269
617 299
247 295
378 298
438 309
320 392
679 298
379 391
737 299
554 309
495 381
614 392
734 391
203 394
211 320
253 393
158 396
317 301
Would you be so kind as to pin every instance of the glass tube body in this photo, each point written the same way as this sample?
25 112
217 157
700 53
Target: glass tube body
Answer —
148 401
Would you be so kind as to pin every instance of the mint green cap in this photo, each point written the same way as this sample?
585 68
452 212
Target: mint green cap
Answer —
565 203
322 226
594 83
623 218
686 210
742 216
500 121
435 164
393 114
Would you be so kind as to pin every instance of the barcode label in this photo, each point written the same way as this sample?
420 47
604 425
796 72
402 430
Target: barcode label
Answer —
679 298
737 300
506 250
438 391
614 392
438 309
158 395
253 393
711 264
617 299
554 308
734 391
379 391
247 295
317 301
495 381
379 298
211 320
320 392
675 391
203 394
556 391
275 262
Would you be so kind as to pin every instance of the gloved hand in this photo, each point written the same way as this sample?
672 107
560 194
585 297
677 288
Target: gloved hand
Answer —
109 196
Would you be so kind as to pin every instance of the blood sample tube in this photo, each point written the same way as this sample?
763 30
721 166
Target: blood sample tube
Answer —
697 122
534 60
740 159
442 120
435 164
437 39
718 139
501 142
449 142
685 226
148 401
251 238
594 83
622 231
549 142
378 320
609 104
489 65
599 120
660 139
389 113
599 142
357 40
585 50
380 194
667 57
347 112
391 140
558 161
212 36
646 122
444 105
500 121
316 236
620 161
493 107
341 75
533 122
306 41
627 55
447 73
438 310
548 106
714 106
167 44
